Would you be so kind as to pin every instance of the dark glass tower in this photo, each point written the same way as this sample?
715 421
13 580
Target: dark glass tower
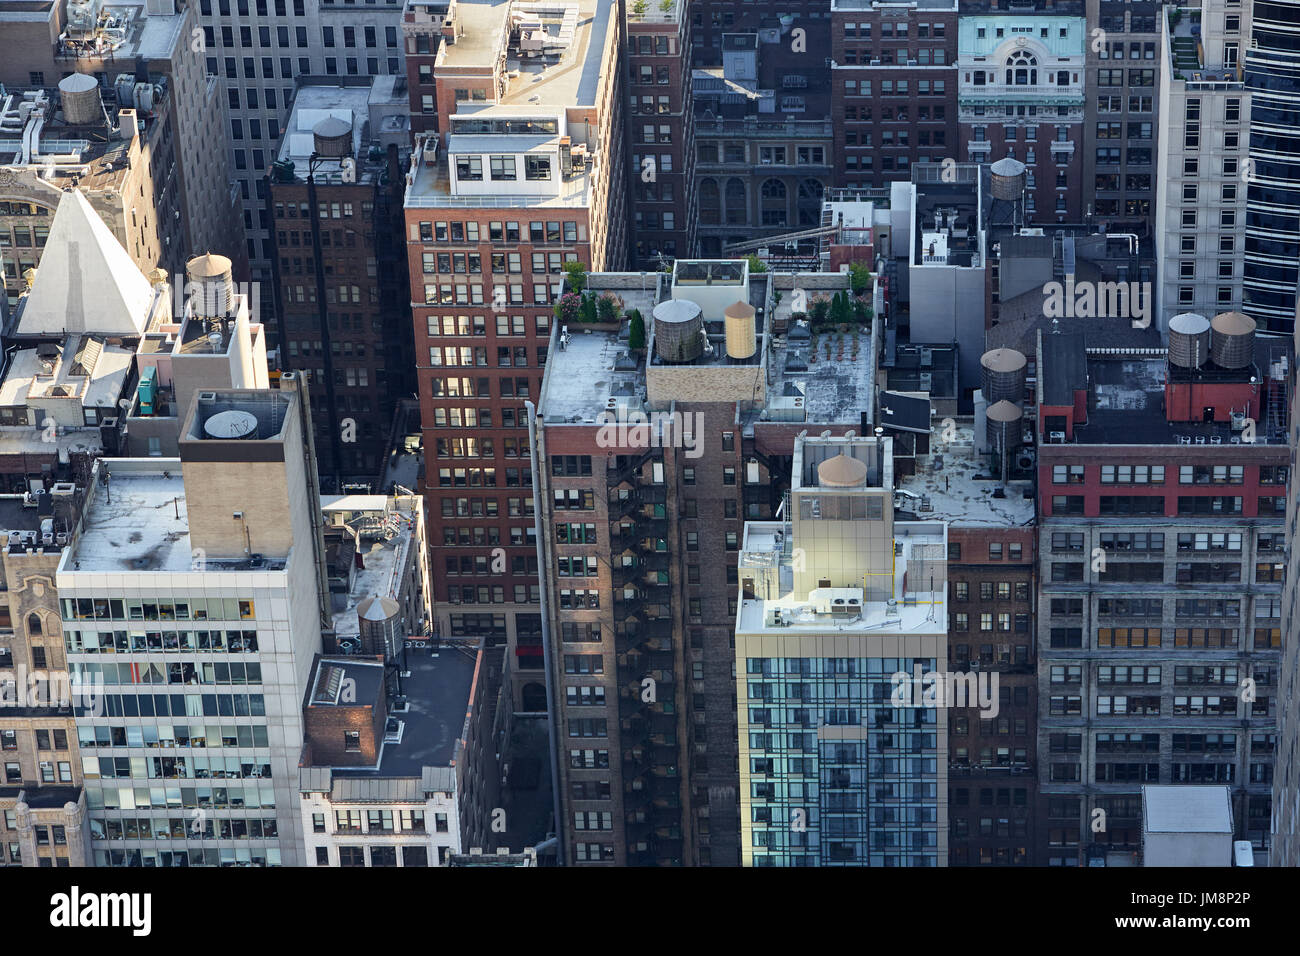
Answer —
1272 262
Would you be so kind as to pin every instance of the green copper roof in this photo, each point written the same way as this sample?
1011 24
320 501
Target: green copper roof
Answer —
1065 36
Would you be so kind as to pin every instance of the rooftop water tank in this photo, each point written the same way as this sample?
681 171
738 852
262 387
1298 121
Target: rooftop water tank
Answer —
1232 340
81 104
842 471
230 424
1189 340
211 285
1004 425
1008 179
741 330
1002 375
332 137
679 331
379 619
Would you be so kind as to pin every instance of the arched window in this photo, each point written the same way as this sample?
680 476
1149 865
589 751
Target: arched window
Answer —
1022 69
34 624
737 202
773 202
710 202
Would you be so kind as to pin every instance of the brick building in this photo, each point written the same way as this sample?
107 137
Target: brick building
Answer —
894 88
661 136
992 794
526 173
1122 114
1021 94
763 134
653 517
340 266
1161 560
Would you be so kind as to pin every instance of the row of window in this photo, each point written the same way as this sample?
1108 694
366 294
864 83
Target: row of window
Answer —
162 609
1155 474
1108 772
169 796
448 386
895 88
1265 638
1111 505
153 642
412 855
379 821
1265 608
1150 674
1185 572
1150 706
1002 590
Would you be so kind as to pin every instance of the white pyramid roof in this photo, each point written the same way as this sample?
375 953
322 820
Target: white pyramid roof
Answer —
86 282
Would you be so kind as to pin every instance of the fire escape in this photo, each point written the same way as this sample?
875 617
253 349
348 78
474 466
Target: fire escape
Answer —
646 678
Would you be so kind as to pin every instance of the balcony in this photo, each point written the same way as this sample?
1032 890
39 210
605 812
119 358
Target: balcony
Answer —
637 762
658 628
627 468
648 526
654 11
624 507
638 831
661 661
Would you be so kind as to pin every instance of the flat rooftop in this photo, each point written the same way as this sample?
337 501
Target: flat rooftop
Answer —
430 186
30 440
147 36
963 489
42 798
382 559
314 102
920 368
957 207
136 520
764 543
18 513
480 29
834 380
581 376
82 369
1186 61
1184 809
437 693
1126 404
565 73
837 382
96 156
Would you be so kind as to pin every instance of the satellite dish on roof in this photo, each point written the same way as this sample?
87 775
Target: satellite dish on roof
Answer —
231 424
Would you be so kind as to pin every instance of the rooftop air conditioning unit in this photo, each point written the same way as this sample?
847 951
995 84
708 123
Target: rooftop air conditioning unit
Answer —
1056 437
